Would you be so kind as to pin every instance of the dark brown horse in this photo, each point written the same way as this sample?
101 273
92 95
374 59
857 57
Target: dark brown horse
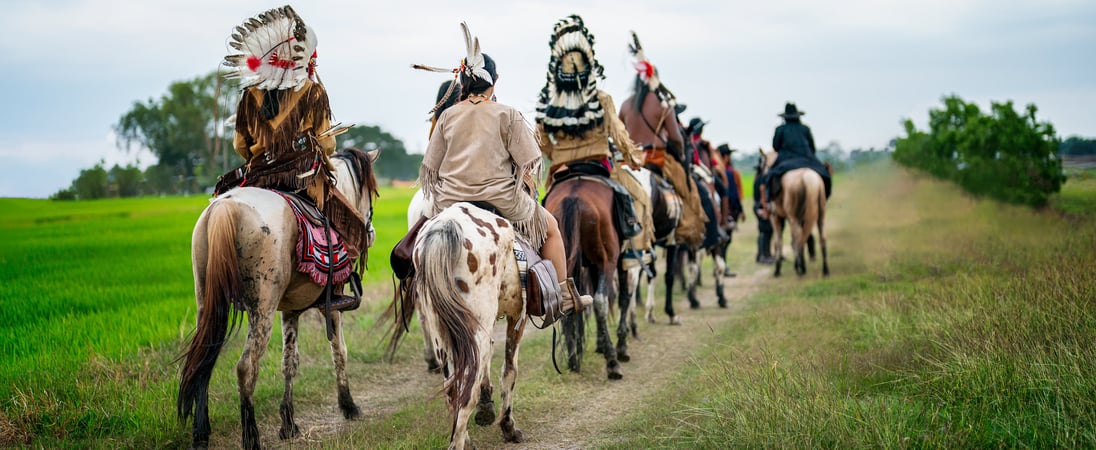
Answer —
583 206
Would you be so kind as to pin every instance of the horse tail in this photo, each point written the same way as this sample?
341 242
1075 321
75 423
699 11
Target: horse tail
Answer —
569 228
815 202
216 317
448 316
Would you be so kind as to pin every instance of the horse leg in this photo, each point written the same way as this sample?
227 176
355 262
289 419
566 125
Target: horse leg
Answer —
799 242
650 303
247 372
624 304
485 408
571 329
601 313
671 261
338 355
459 438
822 242
290 360
631 283
778 244
810 246
515 328
693 266
717 271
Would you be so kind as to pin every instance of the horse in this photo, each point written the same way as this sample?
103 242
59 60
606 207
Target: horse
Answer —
466 277
802 203
583 207
717 223
243 249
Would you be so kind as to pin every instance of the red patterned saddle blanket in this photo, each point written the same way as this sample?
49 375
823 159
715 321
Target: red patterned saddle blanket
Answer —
318 256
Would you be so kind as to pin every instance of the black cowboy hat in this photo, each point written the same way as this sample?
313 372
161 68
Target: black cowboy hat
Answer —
725 149
696 124
791 112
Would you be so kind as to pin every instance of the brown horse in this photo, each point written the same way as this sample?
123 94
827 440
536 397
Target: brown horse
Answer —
243 249
583 206
802 203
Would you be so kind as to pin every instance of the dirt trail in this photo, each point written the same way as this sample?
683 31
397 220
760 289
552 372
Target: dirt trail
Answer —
661 353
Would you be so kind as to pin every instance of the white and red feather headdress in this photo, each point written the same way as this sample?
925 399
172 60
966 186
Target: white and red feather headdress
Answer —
649 74
273 50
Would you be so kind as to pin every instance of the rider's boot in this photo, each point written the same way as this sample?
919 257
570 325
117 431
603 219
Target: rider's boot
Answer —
572 301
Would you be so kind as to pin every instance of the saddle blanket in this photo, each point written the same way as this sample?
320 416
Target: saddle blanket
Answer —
319 256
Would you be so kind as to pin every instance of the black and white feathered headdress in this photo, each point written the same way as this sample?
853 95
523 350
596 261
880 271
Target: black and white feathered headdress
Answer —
471 66
568 102
273 50
648 74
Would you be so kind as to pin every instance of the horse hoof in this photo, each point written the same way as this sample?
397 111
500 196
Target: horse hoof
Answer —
614 371
288 434
675 320
514 435
622 355
485 414
723 304
694 305
352 412
651 319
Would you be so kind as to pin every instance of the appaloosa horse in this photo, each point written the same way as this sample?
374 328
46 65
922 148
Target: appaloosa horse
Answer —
802 203
583 207
243 251
466 277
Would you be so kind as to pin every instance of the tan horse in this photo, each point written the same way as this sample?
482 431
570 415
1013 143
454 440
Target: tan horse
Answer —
243 249
802 203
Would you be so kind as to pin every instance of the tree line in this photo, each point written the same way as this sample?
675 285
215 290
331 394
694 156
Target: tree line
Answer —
189 130
1003 154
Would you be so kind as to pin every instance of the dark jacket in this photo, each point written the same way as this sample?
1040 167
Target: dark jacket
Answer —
795 149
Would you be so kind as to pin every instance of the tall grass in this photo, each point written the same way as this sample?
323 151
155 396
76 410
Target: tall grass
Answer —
97 296
948 323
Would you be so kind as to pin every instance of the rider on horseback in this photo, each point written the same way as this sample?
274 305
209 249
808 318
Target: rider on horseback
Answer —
575 122
651 119
283 124
484 152
795 149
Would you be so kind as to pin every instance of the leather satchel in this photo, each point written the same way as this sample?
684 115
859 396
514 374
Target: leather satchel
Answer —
400 259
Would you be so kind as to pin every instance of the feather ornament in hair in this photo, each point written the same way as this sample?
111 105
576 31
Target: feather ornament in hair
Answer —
473 62
432 68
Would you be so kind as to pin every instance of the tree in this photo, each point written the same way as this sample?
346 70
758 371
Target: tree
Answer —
126 180
394 162
182 127
1005 154
92 183
1077 146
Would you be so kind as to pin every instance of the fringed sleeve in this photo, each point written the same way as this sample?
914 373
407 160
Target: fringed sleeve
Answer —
429 178
525 152
616 130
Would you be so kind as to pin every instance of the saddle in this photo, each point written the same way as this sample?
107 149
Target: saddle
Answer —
624 215
539 285
323 258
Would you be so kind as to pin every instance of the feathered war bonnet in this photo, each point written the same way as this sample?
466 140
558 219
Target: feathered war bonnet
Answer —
472 66
273 50
568 102
647 73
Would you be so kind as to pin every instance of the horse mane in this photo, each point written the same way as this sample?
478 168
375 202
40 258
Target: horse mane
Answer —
361 166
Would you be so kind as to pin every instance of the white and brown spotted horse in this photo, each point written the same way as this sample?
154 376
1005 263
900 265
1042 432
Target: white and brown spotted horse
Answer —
466 277
243 249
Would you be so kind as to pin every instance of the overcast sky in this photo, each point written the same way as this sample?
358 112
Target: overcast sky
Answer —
858 67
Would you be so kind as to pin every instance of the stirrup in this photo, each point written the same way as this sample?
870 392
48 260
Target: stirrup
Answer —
572 298
342 302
